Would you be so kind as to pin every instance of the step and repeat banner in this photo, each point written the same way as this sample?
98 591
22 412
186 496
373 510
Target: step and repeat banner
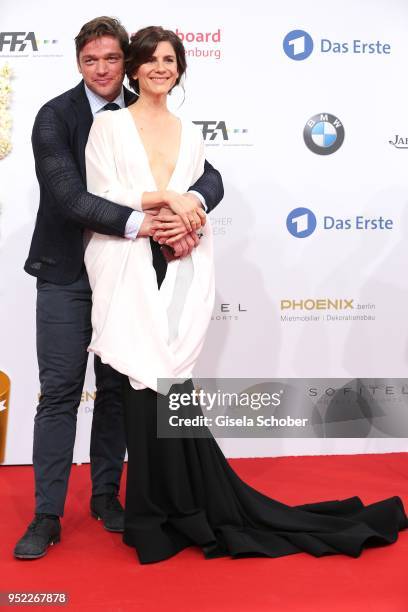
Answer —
304 110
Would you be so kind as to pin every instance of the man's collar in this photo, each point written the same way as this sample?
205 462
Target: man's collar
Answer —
97 102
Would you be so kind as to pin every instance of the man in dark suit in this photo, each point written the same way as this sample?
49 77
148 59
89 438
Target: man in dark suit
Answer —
64 328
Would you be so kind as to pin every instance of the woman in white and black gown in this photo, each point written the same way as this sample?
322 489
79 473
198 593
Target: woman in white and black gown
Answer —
182 491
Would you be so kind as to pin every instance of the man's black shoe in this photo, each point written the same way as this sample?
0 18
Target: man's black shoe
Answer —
107 508
42 532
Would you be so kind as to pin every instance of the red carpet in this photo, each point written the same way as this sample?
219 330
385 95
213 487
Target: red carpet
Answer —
100 573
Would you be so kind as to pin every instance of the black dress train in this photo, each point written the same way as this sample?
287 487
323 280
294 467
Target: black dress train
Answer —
182 492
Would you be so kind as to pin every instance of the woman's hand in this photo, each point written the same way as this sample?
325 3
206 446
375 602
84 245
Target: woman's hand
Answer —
186 207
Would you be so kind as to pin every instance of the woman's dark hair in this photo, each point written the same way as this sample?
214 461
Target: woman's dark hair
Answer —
143 45
102 26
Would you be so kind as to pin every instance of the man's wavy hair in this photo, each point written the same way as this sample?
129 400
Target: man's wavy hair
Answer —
102 26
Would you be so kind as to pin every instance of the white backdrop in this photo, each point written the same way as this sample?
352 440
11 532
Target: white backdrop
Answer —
243 77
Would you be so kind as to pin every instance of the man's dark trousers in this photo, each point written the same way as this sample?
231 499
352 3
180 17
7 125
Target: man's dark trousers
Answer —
63 335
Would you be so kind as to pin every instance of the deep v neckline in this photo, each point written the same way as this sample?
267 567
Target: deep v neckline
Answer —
146 157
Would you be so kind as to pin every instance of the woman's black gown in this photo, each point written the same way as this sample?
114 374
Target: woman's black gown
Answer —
182 492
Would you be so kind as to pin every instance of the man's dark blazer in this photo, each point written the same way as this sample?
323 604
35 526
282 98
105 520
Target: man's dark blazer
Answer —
59 137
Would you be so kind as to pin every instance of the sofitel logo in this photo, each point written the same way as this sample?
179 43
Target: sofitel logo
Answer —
370 389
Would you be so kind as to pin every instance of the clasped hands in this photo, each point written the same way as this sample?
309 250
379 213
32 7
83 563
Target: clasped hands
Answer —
176 221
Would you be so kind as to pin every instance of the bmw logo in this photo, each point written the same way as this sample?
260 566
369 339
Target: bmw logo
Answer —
323 134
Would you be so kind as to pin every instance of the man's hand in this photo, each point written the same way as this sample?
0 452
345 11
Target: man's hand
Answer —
184 246
147 226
